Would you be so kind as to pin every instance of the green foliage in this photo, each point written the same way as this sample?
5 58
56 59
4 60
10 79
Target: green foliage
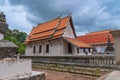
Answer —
16 37
21 48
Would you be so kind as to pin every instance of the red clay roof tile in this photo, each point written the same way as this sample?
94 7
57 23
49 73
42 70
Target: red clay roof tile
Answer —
63 23
40 35
77 42
96 37
47 26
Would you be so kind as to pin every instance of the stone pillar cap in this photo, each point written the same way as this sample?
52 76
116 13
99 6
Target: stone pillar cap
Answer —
115 33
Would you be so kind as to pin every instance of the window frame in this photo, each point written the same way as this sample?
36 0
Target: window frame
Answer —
69 48
34 49
47 48
78 51
40 48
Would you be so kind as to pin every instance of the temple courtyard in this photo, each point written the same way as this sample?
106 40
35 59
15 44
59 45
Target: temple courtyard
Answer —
57 75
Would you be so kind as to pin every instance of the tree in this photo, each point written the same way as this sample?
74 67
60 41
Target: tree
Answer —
16 37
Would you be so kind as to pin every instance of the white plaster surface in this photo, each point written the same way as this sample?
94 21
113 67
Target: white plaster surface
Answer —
115 75
1 36
55 48
13 67
32 74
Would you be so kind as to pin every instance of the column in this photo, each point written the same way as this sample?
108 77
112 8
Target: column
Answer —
116 36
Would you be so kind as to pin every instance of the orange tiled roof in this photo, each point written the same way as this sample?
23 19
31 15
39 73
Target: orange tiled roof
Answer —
50 29
96 37
50 25
40 35
58 32
77 42
63 22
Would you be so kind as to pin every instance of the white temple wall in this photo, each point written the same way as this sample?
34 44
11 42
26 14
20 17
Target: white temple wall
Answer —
55 48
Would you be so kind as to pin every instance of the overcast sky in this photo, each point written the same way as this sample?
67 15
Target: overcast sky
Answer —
88 15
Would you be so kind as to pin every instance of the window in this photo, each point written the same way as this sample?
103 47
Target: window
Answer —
102 48
47 48
69 48
77 50
40 48
34 47
89 50
81 50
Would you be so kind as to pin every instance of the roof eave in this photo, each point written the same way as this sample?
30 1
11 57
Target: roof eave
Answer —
74 44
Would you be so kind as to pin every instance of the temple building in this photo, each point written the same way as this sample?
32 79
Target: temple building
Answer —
55 37
102 41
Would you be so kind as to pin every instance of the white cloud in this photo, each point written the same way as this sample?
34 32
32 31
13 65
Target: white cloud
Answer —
88 15
17 17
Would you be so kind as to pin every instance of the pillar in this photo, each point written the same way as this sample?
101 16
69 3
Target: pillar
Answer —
116 36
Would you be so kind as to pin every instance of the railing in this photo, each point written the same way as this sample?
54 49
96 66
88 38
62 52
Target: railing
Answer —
86 60
108 53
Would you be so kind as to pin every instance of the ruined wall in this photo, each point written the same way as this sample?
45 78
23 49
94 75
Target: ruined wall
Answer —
3 24
7 52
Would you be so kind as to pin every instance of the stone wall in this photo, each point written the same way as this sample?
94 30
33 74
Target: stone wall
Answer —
91 61
7 52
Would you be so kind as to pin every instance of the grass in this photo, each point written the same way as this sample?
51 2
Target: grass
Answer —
97 72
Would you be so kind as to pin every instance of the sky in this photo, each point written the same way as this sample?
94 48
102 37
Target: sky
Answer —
87 15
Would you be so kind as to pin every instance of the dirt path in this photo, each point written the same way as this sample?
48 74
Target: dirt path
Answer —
56 75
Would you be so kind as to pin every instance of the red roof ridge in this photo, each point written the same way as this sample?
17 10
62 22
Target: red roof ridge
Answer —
59 17
48 21
56 29
42 31
97 32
